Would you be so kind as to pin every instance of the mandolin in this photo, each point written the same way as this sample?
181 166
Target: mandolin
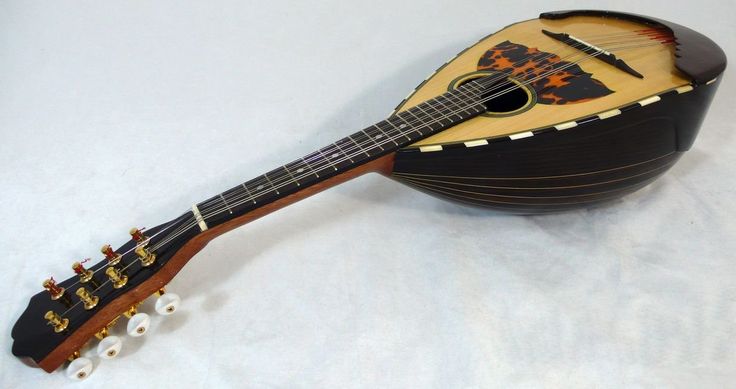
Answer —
568 110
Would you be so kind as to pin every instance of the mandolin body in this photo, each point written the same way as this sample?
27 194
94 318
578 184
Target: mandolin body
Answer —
575 145
561 128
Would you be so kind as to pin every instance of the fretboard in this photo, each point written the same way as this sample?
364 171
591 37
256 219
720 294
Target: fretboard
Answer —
399 130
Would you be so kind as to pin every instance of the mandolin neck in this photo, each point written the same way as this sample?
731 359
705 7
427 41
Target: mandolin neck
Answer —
367 150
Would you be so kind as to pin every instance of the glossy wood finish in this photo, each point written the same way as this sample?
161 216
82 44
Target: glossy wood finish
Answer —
618 144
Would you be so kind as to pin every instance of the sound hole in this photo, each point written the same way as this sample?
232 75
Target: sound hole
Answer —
502 97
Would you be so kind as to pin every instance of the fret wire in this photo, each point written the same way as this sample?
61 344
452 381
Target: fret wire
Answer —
310 167
401 126
270 183
371 138
475 88
408 111
449 106
327 159
458 105
475 107
291 175
359 146
457 99
429 103
425 120
343 152
226 204
249 194
384 133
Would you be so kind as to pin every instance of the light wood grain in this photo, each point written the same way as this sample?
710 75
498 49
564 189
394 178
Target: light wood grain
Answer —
656 63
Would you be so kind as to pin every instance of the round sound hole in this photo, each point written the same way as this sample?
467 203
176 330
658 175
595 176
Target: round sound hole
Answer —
502 95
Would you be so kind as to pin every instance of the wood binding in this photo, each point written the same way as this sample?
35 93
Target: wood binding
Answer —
382 165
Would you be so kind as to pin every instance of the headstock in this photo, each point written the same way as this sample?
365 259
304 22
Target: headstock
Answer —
67 314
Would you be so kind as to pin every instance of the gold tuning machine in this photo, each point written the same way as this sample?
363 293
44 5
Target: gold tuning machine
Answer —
137 235
112 257
117 277
54 290
88 299
147 258
131 311
84 274
59 323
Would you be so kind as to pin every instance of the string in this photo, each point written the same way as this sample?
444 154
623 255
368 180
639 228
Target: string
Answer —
184 227
209 213
241 200
412 122
327 162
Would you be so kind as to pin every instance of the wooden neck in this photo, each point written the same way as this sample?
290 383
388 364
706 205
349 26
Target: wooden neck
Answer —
346 157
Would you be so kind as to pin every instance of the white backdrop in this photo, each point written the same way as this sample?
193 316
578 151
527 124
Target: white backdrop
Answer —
115 114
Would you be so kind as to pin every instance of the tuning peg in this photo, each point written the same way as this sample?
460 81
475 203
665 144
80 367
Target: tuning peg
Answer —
59 323
167 303
147 258
138 324
137 235
112 257
84 274
117 277
54 290
88 299
79 368
109 347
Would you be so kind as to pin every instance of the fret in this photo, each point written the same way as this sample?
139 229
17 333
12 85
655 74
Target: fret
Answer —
408 111
226 204
371 138
472 87
309 166
249 193
400 127
428 104
450 108
456 100
327 159
359 146
343 152
291 175
422 120
473 104
385 134
271 183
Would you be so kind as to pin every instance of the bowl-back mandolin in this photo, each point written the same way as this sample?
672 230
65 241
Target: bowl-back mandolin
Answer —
567 110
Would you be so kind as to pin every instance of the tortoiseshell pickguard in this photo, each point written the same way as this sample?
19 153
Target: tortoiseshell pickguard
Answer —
567 86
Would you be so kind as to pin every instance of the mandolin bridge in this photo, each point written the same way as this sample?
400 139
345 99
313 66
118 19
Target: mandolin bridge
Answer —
593 50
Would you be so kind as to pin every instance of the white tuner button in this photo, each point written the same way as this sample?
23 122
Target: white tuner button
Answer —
79 369
138 324
168 303
109 347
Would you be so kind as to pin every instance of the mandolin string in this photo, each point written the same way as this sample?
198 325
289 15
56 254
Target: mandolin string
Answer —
186 227
182 228
222 209
209 212
275 179
369 141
